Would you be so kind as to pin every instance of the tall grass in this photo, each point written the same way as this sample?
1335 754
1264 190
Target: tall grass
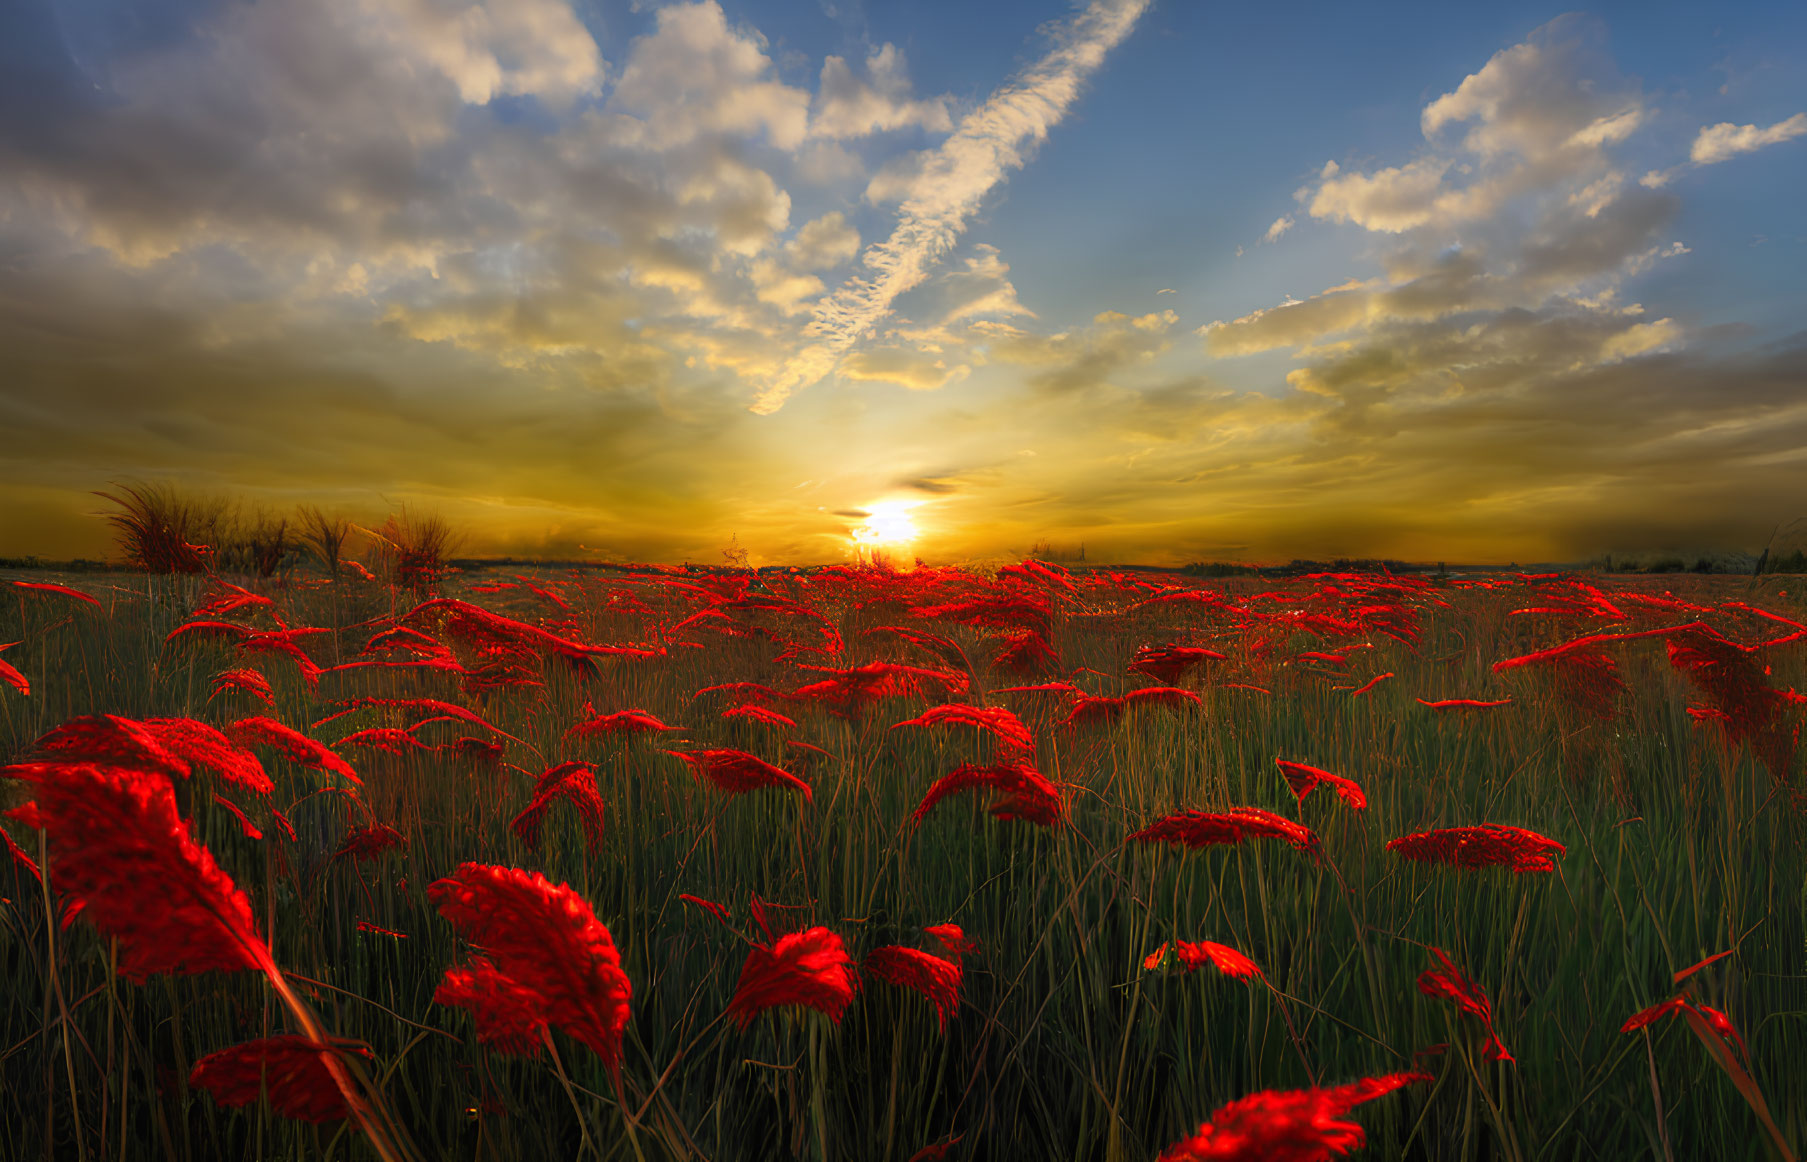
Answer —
1064 1047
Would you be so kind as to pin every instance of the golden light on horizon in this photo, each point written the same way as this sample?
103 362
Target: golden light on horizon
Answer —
888 529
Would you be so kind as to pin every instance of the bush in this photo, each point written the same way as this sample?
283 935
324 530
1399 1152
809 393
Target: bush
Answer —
161 530
411 550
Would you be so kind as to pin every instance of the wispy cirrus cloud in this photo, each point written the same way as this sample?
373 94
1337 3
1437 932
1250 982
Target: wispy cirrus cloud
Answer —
949 185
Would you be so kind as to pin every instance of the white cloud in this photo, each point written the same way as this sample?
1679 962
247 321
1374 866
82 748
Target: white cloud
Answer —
1281 225
1640 339
847 106
1390 200
1717 143
695 76
823 243
989 142
511 47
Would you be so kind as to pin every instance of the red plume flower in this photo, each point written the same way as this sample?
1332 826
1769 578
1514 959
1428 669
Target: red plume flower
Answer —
1025 793
737 772
290 1067
1489 844
1202 828
294 745
548 942
59 590
620 722
1169 662
510 1018
1193 956
246 681
1449 981
1293 1125
1302 779
912 968
367 843
1014 741
809 968
118 848
574 782
953 938
12 676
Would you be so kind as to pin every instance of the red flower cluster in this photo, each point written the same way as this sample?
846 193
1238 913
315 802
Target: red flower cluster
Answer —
1488 845
1195 955
1025 793
1202 828
737 772
574 782
1302 779
809 968
548 955
291 1068
1294 1125
1449 981
912 968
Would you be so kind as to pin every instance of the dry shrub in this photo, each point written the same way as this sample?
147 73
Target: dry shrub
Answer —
323 537
411 549
161 530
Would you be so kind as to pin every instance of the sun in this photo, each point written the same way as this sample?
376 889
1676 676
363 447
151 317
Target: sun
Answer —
888 528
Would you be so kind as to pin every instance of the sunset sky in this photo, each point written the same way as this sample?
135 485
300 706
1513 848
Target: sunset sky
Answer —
1176 280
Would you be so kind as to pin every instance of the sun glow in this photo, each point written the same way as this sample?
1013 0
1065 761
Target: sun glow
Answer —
888 529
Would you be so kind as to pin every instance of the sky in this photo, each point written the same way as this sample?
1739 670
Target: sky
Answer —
1168 279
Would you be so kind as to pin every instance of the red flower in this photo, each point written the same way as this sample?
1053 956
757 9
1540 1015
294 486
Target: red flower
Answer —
1088 710
809 968
244 824
12 676
61 590
1194 956
620 722
737 772
118 849
1025 792
1655 1012
719 911
367 843
1489 844
763 715
510 1018
912 968
1202 828
1297 1125
1449 981
547 941
1014 740
1302 779
294 745
290 1067
246 681
1169 662
574 782
953 938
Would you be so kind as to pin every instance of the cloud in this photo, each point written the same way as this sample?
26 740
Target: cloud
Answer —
823 243
914 370
988 143
1281 225
848 107
695 76
1070 361
1718 143
514 47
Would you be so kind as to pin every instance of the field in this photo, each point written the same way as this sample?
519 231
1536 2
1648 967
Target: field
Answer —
1489 980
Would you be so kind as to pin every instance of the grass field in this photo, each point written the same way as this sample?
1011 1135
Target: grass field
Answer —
1681 840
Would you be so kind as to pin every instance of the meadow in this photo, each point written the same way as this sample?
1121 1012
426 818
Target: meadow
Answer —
1004 930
